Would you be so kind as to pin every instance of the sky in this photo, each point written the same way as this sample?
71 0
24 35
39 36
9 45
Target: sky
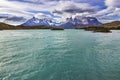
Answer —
19 11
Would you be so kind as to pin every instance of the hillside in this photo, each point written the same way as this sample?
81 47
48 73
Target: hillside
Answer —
114 24
4 26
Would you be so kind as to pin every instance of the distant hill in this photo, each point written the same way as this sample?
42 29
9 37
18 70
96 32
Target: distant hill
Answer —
106 28
114 24
4 26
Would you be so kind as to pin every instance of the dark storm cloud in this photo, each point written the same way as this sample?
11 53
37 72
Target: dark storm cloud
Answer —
58 12
15 19
29 1
73 10
3 17
78 10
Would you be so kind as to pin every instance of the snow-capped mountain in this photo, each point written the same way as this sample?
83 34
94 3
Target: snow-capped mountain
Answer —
80 22
68 24
41 21
90 21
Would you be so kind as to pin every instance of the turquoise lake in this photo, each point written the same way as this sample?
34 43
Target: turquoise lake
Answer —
59 55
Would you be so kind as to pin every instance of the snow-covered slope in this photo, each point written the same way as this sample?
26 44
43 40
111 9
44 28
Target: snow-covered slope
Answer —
80 22
68 24
41 21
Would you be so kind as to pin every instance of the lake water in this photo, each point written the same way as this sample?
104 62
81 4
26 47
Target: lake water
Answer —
59 55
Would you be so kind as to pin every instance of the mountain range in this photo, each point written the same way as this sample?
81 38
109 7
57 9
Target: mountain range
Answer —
70 23
41 21
80 22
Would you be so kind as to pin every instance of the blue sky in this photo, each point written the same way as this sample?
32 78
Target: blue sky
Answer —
104 10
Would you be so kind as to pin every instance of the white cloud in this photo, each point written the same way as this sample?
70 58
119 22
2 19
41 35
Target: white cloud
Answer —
22 8
15 12
26 9
41 15
112 3
107 15
71 5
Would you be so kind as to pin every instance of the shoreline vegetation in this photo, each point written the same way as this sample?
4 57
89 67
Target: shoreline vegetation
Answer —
105 28
96 29
57 28
4 26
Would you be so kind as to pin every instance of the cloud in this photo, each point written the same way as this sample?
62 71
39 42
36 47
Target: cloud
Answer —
2 17
41 15
112 3
61 9
15 12
14 18
112 12
73 10
77 10
57 12
55 7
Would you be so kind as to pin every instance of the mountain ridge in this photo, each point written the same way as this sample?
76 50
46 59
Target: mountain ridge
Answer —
70 23
111 26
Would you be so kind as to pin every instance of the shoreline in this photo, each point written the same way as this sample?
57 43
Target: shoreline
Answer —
86 29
